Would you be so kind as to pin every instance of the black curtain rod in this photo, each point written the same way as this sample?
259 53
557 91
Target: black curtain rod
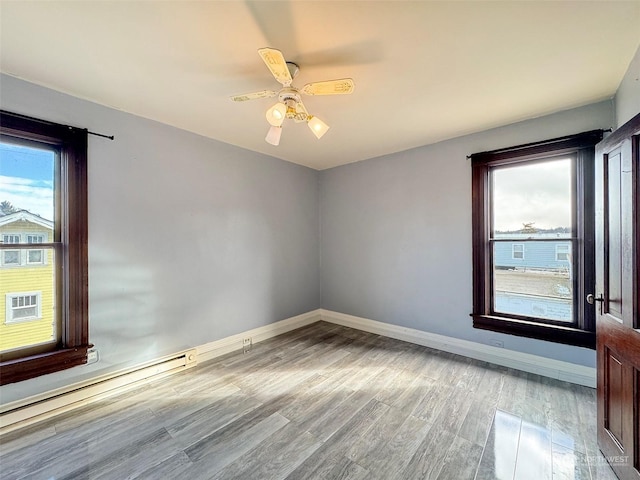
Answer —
46 122
110 137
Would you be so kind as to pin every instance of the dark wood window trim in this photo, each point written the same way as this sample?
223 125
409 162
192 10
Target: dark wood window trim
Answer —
70 243
582 332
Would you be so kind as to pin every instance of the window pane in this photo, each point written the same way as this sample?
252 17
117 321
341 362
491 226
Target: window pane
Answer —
533 293
25 313
537 285
11 257
532 200
27 305
27 176
27 278
35 256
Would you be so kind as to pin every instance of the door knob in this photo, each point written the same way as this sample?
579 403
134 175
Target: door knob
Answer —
591 299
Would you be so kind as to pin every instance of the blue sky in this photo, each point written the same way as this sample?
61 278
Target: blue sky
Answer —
26 178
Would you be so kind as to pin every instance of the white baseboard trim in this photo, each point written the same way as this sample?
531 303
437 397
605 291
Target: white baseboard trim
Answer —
569 372
25 412
233 343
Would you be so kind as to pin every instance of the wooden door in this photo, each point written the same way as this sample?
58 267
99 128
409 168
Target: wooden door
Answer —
616 298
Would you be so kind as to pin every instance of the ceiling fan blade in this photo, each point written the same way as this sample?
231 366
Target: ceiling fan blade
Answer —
276 64
253 96
342 86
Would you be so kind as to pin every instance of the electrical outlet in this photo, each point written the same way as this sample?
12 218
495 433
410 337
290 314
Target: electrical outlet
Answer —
92 356
247 344
496 343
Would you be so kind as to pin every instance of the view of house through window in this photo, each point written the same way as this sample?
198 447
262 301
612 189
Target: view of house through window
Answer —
531 235
27 274
44 321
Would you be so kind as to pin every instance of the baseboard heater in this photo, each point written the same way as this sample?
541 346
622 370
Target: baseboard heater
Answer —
33 409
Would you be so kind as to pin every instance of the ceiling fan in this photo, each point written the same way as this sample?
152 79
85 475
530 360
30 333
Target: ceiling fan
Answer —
289 104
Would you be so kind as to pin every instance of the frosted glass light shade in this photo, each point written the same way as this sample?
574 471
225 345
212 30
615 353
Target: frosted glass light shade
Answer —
276 114
273 135
317 126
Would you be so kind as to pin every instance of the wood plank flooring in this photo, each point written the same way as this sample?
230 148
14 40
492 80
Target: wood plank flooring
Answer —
324 402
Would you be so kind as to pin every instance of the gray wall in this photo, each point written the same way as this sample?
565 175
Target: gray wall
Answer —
190 240
396 233
628 94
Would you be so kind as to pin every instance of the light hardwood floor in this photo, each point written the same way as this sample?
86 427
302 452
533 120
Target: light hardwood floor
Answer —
324 402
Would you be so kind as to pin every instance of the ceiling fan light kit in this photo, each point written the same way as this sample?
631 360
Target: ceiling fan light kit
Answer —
273 135
276 114
317 126
289 105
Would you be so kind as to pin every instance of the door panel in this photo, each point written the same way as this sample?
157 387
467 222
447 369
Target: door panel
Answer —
618 343
613 414
613 237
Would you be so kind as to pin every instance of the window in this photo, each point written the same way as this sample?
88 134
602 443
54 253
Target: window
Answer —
35 256
10 257
517 251
43 222
22 307
538 199
563 252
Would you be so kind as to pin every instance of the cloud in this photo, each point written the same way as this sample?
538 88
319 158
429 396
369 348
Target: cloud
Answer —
538 193
36 196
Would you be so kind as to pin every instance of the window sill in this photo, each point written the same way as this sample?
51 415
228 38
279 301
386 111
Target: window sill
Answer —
540 331
12 371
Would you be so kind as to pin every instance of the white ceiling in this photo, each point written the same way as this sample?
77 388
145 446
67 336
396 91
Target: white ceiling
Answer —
424 71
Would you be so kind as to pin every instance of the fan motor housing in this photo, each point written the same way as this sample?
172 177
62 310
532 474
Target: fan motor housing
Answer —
289 93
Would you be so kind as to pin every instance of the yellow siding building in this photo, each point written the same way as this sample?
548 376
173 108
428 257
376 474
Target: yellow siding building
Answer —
26 282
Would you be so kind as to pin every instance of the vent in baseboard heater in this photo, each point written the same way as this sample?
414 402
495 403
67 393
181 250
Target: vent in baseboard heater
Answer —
40 407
